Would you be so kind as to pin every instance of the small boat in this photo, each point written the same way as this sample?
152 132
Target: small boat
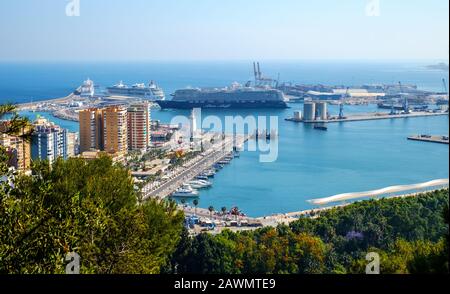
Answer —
201 177
200 184
222 162
321 127
218 166
209 173
185 191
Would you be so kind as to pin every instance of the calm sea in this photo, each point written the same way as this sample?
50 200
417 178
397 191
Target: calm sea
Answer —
349 157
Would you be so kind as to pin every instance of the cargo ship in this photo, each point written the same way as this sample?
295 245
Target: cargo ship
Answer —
260 95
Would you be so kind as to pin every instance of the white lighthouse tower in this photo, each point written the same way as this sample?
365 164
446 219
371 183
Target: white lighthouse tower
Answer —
193 121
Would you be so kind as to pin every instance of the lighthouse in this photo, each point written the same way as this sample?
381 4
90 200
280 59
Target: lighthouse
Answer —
193 122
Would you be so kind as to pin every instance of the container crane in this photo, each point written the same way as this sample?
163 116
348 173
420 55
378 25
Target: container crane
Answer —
341 105
445 88
446 94
405 101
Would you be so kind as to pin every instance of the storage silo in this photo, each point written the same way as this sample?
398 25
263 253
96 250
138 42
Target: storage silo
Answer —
297 115
309 111
322 111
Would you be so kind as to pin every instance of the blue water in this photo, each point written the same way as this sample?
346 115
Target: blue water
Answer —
23 82
352 156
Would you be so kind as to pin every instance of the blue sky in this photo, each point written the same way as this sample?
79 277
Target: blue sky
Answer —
126 30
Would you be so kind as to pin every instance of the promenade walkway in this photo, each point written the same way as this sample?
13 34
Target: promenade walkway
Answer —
191 169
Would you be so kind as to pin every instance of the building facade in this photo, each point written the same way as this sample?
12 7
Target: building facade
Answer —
72 148
115 128
138 125
91 129
48 141
19 151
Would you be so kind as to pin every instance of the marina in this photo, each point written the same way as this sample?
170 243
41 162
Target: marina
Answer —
219 153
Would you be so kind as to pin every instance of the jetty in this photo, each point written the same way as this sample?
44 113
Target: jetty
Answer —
193 168
370 116
430 138
33 105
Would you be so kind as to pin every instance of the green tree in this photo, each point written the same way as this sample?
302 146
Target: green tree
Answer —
195 202
87 207
15 126
211 210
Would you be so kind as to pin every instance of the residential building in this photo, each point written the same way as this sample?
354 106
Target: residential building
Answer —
91 130
19 151
138 124
48 141
72 147
115 129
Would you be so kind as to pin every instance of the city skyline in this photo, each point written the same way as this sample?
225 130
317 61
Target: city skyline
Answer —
208 30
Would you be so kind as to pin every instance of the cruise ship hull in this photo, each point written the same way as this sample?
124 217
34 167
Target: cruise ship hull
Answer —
231 104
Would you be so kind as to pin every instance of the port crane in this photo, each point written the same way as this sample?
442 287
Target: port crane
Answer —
405 101
261 80
341 104
445 88
446 94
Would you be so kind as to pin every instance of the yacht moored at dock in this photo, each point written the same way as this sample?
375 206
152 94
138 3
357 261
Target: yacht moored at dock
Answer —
200 184
185 191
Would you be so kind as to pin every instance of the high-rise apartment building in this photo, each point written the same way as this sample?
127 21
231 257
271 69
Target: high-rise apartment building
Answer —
138 124
19 151
115 132
72 148
91 129
48 141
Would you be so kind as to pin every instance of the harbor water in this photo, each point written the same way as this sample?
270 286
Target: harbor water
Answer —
349 157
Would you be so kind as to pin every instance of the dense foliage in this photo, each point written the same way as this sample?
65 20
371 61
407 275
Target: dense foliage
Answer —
85 207
408 233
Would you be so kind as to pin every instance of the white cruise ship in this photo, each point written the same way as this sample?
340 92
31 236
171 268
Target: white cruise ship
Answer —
87 89
151 92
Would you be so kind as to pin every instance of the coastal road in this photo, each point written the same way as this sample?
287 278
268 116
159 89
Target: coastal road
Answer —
195 167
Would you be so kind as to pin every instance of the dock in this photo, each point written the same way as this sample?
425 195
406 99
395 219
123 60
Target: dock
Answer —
430 138
193 168
343 200
371 116
32 105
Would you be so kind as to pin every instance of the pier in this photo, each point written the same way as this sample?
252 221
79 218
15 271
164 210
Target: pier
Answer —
430 138
193 168
33 105
381 192
415 190
372 116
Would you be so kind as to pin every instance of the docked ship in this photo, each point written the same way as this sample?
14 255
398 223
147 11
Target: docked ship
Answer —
151 92
261 95
87 89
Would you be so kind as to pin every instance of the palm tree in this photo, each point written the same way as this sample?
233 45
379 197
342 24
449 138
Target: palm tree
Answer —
236 213
16 125
224 210
195 202
211 210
